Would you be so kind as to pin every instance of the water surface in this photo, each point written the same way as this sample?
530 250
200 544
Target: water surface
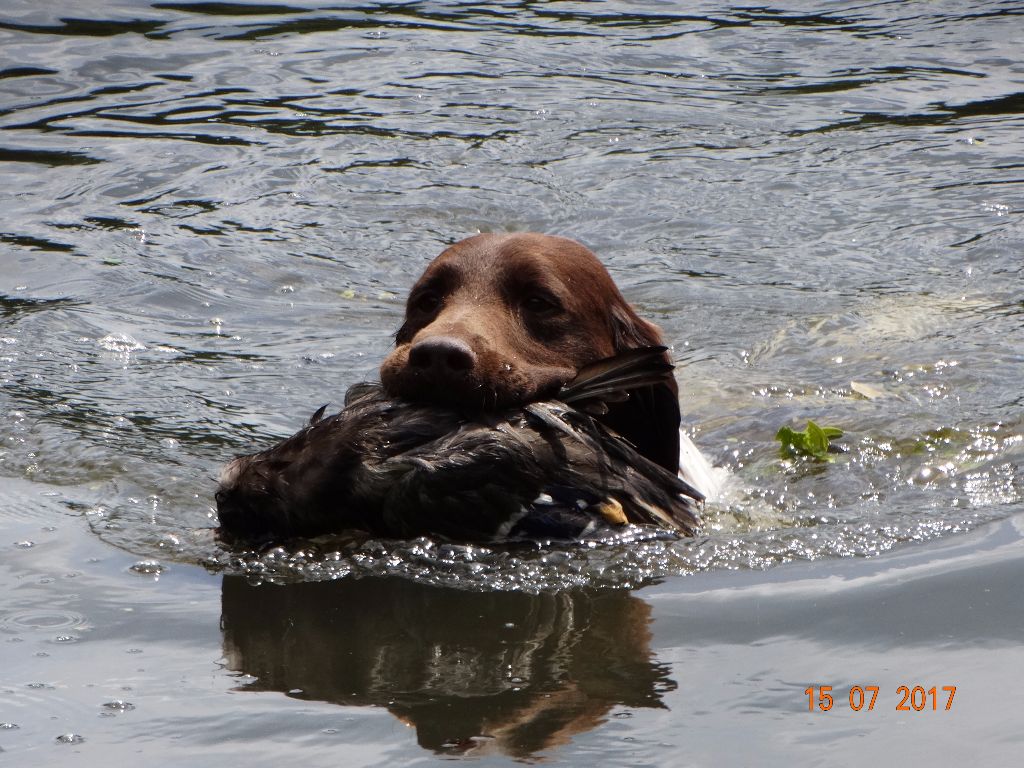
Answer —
212 214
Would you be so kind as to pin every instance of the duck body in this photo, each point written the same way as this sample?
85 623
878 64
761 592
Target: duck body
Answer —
396 469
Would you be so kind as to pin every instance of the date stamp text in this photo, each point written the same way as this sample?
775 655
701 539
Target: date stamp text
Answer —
863 698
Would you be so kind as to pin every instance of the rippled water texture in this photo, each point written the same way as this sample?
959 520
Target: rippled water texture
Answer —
212 213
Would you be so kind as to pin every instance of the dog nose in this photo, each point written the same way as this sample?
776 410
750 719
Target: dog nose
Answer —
442 355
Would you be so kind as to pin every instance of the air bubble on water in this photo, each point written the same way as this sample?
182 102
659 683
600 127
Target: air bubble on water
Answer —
70 738
122 343
147 568
169 540
118 705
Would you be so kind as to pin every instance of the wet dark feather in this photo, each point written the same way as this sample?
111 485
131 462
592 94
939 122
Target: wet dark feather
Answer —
397 469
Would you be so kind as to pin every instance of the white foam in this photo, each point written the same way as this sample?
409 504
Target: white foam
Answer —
695 469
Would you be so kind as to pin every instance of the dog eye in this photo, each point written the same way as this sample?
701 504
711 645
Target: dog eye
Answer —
427 302
541 304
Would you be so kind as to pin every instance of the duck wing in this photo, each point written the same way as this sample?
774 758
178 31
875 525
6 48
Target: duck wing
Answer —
635 394
548 470
609 468
611 379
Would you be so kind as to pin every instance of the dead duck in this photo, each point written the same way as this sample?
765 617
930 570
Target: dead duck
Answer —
395 469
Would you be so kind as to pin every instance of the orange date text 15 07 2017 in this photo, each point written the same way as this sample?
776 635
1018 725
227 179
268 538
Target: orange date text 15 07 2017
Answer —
864 697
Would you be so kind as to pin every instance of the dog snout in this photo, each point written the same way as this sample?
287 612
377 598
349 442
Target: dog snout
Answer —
442 357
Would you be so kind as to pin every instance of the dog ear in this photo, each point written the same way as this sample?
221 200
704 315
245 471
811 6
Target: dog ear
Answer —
650 418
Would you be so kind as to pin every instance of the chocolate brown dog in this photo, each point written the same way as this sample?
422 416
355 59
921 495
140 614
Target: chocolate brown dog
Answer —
524 400
501 320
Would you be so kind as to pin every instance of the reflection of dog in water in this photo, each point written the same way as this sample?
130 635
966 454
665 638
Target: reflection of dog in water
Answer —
473 672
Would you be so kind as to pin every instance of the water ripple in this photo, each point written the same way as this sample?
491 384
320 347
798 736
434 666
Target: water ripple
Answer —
205 241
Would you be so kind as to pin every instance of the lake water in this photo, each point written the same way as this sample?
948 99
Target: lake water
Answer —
211 215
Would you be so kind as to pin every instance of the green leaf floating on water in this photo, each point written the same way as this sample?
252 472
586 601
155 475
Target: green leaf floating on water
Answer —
812 441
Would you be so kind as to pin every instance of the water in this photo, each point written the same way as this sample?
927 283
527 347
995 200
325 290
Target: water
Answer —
212 215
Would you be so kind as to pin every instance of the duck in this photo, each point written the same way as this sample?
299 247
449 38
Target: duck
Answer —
547 470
